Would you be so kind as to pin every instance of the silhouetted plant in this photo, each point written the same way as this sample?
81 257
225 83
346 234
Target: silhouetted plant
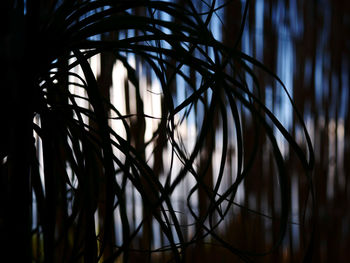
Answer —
41 43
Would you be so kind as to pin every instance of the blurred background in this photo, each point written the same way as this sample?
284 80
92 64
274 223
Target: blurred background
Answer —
307 44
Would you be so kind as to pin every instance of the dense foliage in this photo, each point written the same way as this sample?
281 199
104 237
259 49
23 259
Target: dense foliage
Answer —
80 183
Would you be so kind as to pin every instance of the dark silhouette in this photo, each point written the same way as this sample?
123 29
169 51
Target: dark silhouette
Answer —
211 173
